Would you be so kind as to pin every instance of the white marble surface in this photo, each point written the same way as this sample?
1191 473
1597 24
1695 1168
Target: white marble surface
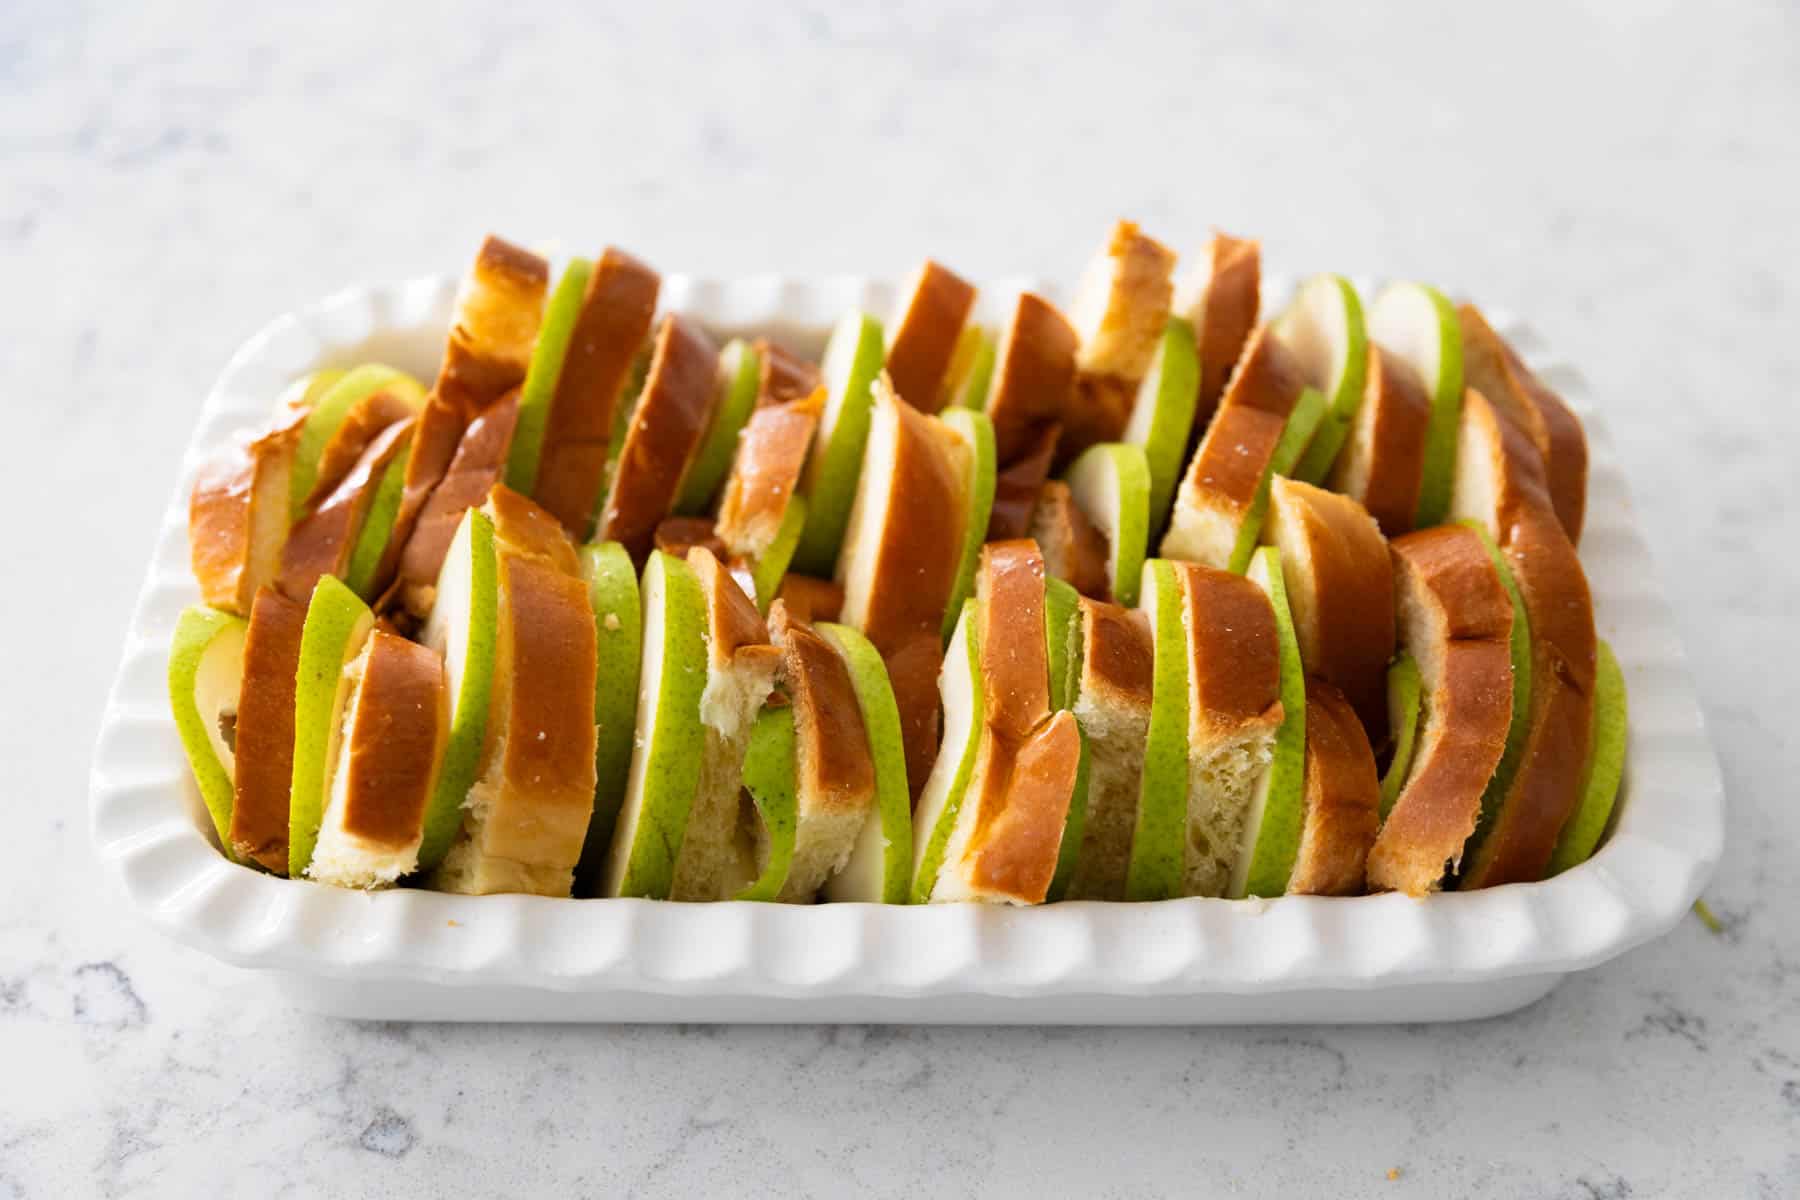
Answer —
173 174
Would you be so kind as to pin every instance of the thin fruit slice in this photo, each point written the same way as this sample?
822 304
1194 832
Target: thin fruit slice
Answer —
771 567
1062 641
1163 414
1301 424
880 866
618 631
206 660
1158 857
852 362
337 625
1403 700
1419 326
305 391
927 332
769 778
971 369
1111 483
978 498
539 388
1519 646
1278 806
1324 328
935 815
761 507
328 412
740 374
462 630
326 540
374 536
1605 768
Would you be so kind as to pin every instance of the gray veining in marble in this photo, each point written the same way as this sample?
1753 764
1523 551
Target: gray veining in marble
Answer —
172 174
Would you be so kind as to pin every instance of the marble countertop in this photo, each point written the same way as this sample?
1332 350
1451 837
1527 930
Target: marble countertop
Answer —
173 174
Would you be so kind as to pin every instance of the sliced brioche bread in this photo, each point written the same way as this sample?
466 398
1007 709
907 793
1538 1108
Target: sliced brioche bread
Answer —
1034 376
477 465
1343 797
326 540
1112 705
933 309
782 374
771 455
1221 298
1122 302
1382 464
1018 484
264 742
238 517
1074 550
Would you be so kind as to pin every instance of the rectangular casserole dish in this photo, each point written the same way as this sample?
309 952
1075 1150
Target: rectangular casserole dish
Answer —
410 953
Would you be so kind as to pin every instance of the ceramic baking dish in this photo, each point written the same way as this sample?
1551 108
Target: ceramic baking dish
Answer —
410 953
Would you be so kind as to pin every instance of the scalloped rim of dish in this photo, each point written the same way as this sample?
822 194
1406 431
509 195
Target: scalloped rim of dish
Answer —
149 828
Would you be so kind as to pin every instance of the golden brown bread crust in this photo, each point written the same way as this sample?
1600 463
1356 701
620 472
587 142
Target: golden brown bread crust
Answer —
477 466
735 629
1383 462
1494 368
1017 484
320 544
771 454
1122 303
263 780
784 375
1118 658
395 742
666 428
678 535
1459 636
1227 314
931 319
521 526
1343 798
912 665
1023 807
1234 667
833 760
1074 550
1547 784
238 517
1034 376
615 316
1340 588
1015 665
810 600
1099 411
361 425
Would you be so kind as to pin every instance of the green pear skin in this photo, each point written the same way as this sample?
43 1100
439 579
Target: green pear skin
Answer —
206 659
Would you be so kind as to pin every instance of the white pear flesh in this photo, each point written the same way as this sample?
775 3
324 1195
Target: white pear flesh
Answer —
462 628
1111 484
853 359
1418 325
337 625
960 688
206 666
879 870
1277 811
1325 330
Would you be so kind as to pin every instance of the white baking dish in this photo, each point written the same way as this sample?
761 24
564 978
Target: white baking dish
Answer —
416 954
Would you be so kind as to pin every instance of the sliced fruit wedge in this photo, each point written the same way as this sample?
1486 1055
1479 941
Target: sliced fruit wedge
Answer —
935 815
1605 767
978 499
1520 648
1309 409
772 566
206 662
349 524
1324 328
1419 326
337 625
971 369
1277 810
1158 857
852 362
375 535
327 413
879 869
618 631
740 375
1163 414
769 778
539 388
1062 643
1404 692
1111 483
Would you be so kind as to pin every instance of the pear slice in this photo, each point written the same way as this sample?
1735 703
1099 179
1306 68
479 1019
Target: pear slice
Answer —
618 631
740 375
337 625
769 778
1419 326
879 870
1302 423
353 525
304 392
978 501
539 388
1062 642
761 515
1111 483
1404 698
1519 646
772 566
1324 328
206 661
363 573
927 330
328 412
852 362
462 629
1158 853
971 369
1273 823
934 817
1163 413
1605 767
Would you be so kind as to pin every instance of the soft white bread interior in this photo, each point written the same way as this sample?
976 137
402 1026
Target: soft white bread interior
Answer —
526 817
1122 302
1343 798
1382 464
1074 550
238 517
770 456
714 862
1234 713
1501 484
1112 705
1455 620
616 311
395 726
478 464
834 769
925 332
1221 297
1340 589
263 778
1003 847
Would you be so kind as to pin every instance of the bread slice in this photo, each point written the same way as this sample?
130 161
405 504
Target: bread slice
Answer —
1492 367
1501 483
1122 302
1018 484
1234 713
1382 464
1219 490
396 722
614 319
478 464
365 421
1343 797
666 427
1112 705
925 330
811 600
740 674
1221 298
264 737
238 517
322 541
834 767
784 375
770 457
678 535
1455 620
1008 830
1074 550
527 815
1034 376
1340 588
